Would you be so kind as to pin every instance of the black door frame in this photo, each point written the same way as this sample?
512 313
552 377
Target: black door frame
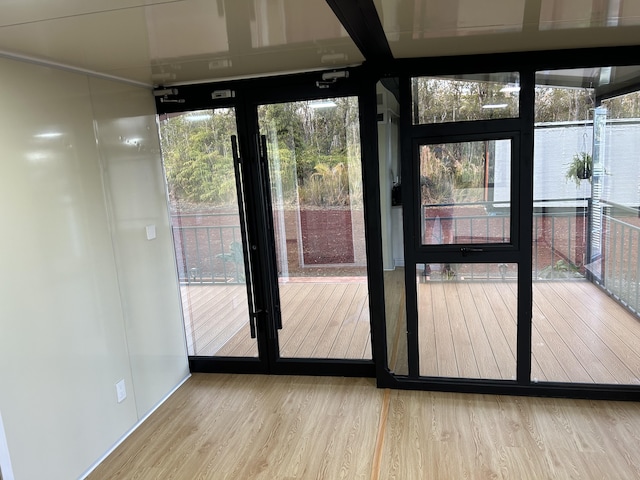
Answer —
417 253
246 96
291 87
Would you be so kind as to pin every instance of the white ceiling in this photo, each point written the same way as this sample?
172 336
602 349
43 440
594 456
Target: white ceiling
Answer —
183 41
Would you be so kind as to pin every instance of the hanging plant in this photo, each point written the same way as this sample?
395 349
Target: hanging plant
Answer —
580 168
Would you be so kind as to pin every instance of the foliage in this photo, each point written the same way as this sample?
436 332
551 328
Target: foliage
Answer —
439 100
579 168
623 106
235 256
197 156
560 269
553 104
326 186
314 154
452 173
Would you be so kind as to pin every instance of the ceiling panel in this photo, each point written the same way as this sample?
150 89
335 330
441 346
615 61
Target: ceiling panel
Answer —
15 12
417 28
170 42
102 42
182 41
199 39
568 14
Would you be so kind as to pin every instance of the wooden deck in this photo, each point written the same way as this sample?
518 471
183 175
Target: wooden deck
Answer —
466 329
579 334
320 320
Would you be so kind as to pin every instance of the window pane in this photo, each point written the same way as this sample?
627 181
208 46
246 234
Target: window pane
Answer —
586 233
467 320
465 192
463 98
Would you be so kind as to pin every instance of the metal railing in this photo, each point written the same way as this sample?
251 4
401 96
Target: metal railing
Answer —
559 235
620 265
208 254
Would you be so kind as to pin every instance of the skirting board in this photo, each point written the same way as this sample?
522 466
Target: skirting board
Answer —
129 432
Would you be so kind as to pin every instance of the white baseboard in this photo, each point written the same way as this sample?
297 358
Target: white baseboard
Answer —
124 437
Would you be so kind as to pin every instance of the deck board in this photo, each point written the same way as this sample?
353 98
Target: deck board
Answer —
466 329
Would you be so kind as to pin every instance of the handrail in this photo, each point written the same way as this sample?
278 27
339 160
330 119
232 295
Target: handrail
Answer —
209 254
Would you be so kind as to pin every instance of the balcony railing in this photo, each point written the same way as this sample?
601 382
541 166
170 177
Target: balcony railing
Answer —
209 253
559 236
620 266
212 254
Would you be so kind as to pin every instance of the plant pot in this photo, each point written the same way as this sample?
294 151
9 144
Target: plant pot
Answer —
583 172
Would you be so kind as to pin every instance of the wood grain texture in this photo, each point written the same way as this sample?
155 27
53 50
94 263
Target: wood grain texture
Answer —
466 329
255 427
283 428
579 334
455 436
320 320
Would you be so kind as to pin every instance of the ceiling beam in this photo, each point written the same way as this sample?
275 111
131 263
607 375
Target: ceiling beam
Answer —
361 21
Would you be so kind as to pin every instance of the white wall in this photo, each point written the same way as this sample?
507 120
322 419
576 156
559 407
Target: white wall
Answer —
85 299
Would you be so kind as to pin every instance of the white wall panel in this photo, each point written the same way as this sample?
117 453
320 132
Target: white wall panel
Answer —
130 151
63 323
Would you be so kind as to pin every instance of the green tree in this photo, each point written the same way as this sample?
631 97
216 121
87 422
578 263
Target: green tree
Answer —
197 156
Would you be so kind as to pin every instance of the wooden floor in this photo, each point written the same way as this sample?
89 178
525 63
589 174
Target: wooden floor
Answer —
327 319
466 329
240 427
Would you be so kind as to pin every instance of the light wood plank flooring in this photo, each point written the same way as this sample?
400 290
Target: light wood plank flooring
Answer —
282 428
328 319
466 329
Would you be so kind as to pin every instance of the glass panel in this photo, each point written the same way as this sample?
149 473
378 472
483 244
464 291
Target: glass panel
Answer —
465 192
391 229
316 191
586 237
465 97
196 150
467 320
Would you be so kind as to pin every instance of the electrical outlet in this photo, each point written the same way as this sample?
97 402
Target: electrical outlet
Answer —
121 391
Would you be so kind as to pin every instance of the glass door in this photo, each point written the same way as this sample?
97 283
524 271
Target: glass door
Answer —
313 171
209 231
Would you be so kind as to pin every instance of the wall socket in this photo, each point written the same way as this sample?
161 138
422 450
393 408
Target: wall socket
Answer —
121 391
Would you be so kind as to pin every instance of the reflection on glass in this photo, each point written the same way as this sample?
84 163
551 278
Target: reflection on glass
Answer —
467 321
316 191
198 161
586 240
465 191
465 98
391 232
284 23
554 104
434 18
560 14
